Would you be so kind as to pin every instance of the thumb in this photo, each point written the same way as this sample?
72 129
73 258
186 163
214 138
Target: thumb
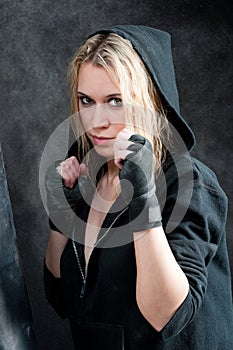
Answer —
83 170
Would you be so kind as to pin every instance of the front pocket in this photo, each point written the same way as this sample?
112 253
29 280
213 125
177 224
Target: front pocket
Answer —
96 336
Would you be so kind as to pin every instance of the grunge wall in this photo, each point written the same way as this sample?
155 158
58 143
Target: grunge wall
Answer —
38 38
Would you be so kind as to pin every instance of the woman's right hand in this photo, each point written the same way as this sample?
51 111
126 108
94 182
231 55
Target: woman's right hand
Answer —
70 169
66 184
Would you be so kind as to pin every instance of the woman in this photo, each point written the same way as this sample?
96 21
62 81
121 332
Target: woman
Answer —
136 266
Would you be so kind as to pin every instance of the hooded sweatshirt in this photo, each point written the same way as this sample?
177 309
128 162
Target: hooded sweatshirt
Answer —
104 315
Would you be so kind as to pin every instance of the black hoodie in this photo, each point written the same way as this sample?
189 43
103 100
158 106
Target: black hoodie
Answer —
194 208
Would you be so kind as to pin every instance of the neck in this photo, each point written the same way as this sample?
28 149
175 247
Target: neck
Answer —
109 186
113 172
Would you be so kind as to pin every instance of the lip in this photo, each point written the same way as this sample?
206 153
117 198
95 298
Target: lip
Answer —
100 140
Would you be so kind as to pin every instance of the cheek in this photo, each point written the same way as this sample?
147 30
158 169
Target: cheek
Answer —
118 127
85 120
85 124
117 116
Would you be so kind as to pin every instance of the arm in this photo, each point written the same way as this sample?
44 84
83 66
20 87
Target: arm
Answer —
172 268
63 196
161 284
193 244
62 182
68 171
56 245
52 282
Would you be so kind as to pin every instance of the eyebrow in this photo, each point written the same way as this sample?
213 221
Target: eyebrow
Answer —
110 95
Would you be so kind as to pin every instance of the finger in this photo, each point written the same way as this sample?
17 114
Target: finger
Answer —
83 169
71 162
66 176
59 169
118 163
124 134
69 170
121 151
120 156
74 161
121 145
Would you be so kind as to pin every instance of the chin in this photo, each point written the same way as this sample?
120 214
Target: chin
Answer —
104 152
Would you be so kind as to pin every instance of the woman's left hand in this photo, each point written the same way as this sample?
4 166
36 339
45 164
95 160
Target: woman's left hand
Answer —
121 147
134 157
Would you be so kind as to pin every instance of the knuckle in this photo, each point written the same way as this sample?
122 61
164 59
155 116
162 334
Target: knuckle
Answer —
66 167
73 159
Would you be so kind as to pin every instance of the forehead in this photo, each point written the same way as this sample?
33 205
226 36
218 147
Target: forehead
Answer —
93 79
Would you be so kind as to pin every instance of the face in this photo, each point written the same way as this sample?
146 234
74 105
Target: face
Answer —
100 107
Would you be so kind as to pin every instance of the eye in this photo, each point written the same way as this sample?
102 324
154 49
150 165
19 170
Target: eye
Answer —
85 100
115 102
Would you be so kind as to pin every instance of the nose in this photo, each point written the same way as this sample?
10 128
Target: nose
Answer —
100 117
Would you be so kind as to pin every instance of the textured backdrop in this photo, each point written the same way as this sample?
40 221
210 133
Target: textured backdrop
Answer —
38 38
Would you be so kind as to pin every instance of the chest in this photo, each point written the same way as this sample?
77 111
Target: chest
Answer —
97 214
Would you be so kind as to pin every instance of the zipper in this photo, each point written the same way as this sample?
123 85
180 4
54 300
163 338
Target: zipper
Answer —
80 269
83 289
83 275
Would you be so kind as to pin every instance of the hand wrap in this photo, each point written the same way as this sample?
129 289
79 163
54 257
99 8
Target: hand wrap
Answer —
144 209
62 201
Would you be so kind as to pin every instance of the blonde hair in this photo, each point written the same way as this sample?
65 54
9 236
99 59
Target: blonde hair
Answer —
144 112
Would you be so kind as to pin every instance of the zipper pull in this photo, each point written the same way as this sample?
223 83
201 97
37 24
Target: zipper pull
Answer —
83 289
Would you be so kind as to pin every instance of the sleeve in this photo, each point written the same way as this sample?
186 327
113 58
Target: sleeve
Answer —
53 227
72 151
54 292
195 239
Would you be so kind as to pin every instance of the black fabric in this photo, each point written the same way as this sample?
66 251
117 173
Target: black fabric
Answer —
54 292
99 337
154 48
204 320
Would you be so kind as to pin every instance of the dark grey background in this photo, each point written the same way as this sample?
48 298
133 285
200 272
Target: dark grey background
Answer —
38 38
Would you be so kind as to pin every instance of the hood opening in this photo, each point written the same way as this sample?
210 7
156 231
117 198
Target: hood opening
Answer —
154 48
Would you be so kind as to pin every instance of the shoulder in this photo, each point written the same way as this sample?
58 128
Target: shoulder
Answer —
188 189
204 176
187 169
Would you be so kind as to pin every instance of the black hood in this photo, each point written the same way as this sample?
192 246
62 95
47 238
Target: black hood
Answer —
154 48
